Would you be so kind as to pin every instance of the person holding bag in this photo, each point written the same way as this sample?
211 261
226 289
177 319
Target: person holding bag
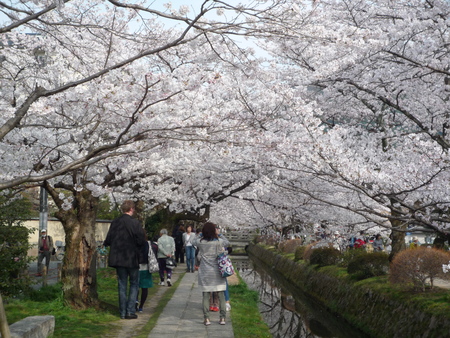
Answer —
209 243
166 249
146 268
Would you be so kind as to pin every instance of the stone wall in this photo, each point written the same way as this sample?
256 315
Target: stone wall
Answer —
372 312
56 230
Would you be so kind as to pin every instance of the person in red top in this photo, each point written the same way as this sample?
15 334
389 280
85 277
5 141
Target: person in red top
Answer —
45 245
360 242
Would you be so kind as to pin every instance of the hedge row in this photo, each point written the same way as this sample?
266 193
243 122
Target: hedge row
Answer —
377 313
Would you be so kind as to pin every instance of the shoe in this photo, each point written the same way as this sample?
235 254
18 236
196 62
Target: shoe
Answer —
140 309
228 305
187 270
137 305
162 283
222 321
169 283
207 322
211 308
131 316
215 309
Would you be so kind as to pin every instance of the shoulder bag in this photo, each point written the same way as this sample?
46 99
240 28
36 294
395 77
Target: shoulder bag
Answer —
152 261
225 266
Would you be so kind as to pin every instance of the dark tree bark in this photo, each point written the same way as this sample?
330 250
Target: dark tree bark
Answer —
398 232
79 266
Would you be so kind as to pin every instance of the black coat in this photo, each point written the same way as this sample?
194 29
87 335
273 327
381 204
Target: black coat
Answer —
143 253
125 237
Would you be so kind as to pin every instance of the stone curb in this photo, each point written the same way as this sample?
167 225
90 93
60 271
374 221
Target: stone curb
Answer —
33 327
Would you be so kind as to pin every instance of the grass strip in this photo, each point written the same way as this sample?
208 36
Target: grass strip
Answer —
166 297
69 323
245 315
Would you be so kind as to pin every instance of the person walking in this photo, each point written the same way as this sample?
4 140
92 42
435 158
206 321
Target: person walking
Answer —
179 248
188 238
125 238
210 243
45 245
145 277
166 248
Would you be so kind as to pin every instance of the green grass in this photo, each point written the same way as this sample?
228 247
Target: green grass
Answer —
247 321
48 300
69 322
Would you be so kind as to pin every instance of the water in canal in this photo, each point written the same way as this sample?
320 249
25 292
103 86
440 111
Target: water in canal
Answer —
287 310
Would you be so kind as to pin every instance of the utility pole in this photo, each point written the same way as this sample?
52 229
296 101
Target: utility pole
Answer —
43 209
43 218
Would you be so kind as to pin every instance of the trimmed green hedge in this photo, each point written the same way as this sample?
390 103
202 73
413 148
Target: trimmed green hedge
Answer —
372 309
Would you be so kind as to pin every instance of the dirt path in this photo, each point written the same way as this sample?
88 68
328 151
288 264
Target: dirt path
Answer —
132 327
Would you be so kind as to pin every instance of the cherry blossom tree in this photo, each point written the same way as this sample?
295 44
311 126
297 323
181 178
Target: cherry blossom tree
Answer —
346 123
86 100
54 47
377 71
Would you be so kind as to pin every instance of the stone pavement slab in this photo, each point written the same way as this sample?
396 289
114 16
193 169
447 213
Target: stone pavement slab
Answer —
183 315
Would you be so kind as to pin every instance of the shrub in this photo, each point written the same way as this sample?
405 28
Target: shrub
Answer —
299 253
308 251
266 239
290 245
350 255
417 266
365 265
14 261
14 244
325 256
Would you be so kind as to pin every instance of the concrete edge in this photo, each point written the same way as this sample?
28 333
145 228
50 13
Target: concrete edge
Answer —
33 327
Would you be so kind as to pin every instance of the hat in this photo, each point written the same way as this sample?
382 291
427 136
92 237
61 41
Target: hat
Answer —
43 230
414 238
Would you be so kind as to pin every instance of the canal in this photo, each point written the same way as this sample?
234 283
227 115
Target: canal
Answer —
287 310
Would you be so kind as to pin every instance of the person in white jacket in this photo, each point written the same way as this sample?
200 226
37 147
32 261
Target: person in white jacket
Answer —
166 248
189 248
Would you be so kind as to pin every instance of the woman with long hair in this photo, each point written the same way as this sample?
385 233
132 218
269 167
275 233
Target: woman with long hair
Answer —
145 277
210 243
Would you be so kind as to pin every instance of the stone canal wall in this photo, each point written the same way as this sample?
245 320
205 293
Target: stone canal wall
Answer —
372 312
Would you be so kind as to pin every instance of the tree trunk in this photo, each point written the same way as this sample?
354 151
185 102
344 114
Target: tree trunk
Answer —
169 219
79 272
398 241
4 328
397 235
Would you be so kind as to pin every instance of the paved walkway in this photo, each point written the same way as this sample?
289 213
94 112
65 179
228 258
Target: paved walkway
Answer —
50 279
183 315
